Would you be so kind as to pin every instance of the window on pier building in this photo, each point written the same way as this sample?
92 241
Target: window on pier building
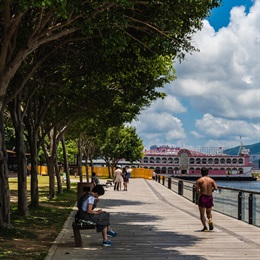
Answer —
192 160
164 169
228 161
210 161
158 159
176 170
170 160
176 160
158 170
170 170
234 161
145 159
234 170
240 161
222 161
151 159
204 161
216 161
198 161
240 171
164 160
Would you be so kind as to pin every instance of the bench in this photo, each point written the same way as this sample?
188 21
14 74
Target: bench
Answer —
77 226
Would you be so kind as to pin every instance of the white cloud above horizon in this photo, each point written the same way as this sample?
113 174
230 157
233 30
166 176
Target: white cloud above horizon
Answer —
216 96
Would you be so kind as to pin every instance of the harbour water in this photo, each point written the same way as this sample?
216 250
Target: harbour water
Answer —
241 185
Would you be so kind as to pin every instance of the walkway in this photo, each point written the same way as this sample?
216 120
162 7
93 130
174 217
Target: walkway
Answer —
156 223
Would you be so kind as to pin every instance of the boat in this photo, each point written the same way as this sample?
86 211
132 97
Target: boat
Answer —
187 164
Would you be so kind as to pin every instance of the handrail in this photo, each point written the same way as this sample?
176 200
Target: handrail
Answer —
246 203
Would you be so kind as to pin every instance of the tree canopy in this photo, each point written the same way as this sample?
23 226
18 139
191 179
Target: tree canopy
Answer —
61 61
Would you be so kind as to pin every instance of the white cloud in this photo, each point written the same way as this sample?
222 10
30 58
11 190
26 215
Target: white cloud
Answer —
220 84
169 104
159 128
215 127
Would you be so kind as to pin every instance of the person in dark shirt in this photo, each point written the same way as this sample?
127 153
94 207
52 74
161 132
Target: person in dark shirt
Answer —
95 179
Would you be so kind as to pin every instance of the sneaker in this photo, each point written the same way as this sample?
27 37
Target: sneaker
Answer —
205 229
107 243
211 227
111 233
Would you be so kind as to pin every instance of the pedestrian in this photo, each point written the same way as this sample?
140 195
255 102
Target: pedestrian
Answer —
126 176
86 211
95 179
118 178
204 188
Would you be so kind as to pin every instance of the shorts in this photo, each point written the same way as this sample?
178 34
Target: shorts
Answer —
206 201
102 220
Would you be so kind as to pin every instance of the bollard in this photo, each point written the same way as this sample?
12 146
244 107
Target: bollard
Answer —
239 206
194 195
180 188
250 208
169 183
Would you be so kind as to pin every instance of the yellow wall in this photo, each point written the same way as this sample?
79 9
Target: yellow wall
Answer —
103 172
42 170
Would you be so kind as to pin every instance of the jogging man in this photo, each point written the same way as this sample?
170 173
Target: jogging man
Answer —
204 188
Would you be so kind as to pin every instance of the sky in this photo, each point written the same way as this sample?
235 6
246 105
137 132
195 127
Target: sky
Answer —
215 100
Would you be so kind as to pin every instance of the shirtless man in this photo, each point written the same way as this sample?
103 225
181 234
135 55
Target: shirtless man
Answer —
204 187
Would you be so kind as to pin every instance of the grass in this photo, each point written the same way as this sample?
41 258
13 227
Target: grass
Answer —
31 237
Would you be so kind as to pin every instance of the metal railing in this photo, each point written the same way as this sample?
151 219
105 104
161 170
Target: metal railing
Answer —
243 205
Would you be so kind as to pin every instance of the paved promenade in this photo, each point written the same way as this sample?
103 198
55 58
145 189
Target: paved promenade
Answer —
153 222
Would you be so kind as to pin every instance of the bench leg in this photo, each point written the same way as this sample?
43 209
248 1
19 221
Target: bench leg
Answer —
77 237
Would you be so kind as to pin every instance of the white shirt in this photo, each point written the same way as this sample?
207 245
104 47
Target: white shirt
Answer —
90 200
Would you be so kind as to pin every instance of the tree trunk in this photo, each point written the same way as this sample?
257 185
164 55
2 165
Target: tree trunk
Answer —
80 167
66 164
86 165
50 166
4 185
34 170
20 149
22 174
58 178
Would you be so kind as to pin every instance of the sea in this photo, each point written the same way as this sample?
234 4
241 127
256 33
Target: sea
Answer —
241 185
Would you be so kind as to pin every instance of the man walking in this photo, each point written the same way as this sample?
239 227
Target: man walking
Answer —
204 188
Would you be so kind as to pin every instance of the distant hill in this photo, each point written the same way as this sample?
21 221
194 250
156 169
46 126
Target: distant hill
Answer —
254 149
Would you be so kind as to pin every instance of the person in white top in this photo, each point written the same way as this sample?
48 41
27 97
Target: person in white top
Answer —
87 212
118 179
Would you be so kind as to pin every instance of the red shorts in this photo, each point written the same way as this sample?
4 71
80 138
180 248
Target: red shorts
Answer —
206 201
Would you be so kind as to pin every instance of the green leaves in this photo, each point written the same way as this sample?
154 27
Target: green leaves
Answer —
122 143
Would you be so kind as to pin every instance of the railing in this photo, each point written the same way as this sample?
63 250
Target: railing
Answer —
240 204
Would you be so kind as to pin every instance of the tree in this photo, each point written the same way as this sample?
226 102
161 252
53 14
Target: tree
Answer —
163 28
121 143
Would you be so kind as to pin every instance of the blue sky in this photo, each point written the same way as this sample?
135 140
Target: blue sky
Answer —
215 99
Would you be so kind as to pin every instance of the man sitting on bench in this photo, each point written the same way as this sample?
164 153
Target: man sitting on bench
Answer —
86 205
